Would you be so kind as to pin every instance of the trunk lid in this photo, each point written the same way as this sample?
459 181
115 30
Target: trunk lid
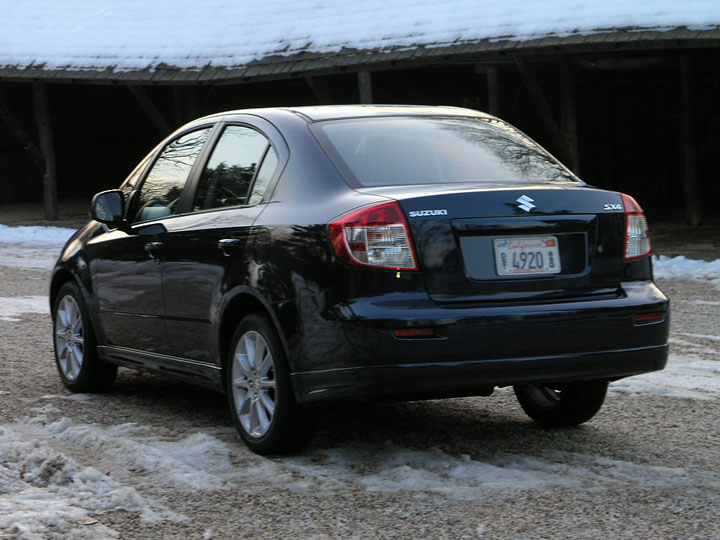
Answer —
460 233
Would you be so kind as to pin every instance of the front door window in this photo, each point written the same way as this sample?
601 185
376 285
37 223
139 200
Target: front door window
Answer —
160 193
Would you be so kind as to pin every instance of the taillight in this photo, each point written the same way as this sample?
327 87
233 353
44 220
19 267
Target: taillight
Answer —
637 234
376 236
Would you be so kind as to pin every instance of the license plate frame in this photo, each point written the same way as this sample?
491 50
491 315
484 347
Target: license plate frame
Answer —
527 256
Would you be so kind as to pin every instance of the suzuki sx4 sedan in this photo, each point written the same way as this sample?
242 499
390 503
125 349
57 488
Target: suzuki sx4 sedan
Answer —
295 255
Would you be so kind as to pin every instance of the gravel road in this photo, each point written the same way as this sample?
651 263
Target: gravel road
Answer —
158 458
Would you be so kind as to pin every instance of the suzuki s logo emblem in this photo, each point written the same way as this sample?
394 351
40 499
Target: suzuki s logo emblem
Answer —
526 203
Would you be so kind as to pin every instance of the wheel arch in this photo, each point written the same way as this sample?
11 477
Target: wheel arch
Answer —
242 302
59 278
62 275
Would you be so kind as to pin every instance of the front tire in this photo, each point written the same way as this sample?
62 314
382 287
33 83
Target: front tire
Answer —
262 403
76 356
562 405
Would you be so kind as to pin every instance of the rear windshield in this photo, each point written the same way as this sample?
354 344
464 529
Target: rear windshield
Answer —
431 150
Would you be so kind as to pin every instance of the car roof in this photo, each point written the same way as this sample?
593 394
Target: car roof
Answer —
335 112
331 112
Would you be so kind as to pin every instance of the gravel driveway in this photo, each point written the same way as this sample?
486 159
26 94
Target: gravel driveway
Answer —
160 459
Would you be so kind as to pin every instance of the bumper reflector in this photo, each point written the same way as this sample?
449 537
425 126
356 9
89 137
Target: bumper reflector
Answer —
646 318
414 333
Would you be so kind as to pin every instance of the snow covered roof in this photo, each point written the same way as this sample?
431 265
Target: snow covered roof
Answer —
191 40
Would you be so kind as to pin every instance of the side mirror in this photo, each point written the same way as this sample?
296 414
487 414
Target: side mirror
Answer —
107 207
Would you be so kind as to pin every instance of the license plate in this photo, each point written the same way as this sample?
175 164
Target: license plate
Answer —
534 255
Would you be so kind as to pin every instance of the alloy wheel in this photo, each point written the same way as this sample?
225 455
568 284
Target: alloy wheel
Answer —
69 337
253 384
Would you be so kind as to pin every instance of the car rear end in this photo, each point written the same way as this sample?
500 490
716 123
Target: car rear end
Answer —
466 275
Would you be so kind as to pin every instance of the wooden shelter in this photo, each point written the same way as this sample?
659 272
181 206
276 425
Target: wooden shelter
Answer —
635 109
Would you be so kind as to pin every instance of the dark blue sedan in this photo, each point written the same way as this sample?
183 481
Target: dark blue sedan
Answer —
292 255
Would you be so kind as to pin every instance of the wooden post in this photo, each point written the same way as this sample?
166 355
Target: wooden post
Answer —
568 120
365 87
150 109
692 201
493 88
42 117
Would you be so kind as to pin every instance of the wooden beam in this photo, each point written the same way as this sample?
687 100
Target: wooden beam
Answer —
178 106
692 200
493 89
536 94
206 101
568 118
365 87
150 109
320 89
191 102
44 125
710 120
23 137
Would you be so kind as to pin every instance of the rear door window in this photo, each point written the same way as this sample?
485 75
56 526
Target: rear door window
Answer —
231 169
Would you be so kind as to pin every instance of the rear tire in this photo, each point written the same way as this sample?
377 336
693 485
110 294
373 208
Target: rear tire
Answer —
76 355
562 405
262 403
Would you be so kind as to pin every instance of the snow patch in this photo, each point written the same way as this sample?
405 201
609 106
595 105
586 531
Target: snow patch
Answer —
84 398
393 469
13 307
43 491
32 247
31 258
683 268
701 336
686 376
35 236
201 462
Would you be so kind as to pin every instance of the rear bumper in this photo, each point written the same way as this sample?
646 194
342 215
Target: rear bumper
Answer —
448 379
349 350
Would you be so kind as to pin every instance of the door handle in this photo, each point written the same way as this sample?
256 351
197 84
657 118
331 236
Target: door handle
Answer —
152 248
226 245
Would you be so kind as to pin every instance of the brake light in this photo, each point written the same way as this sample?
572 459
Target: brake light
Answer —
376 236
637 234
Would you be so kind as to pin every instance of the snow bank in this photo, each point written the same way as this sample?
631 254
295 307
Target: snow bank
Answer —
11 308
388 468
199 462
136 34
139 456
44 492
35 236
684 268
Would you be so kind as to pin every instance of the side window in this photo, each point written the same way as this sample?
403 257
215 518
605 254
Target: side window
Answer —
264 175
131 181
232 166
160 194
